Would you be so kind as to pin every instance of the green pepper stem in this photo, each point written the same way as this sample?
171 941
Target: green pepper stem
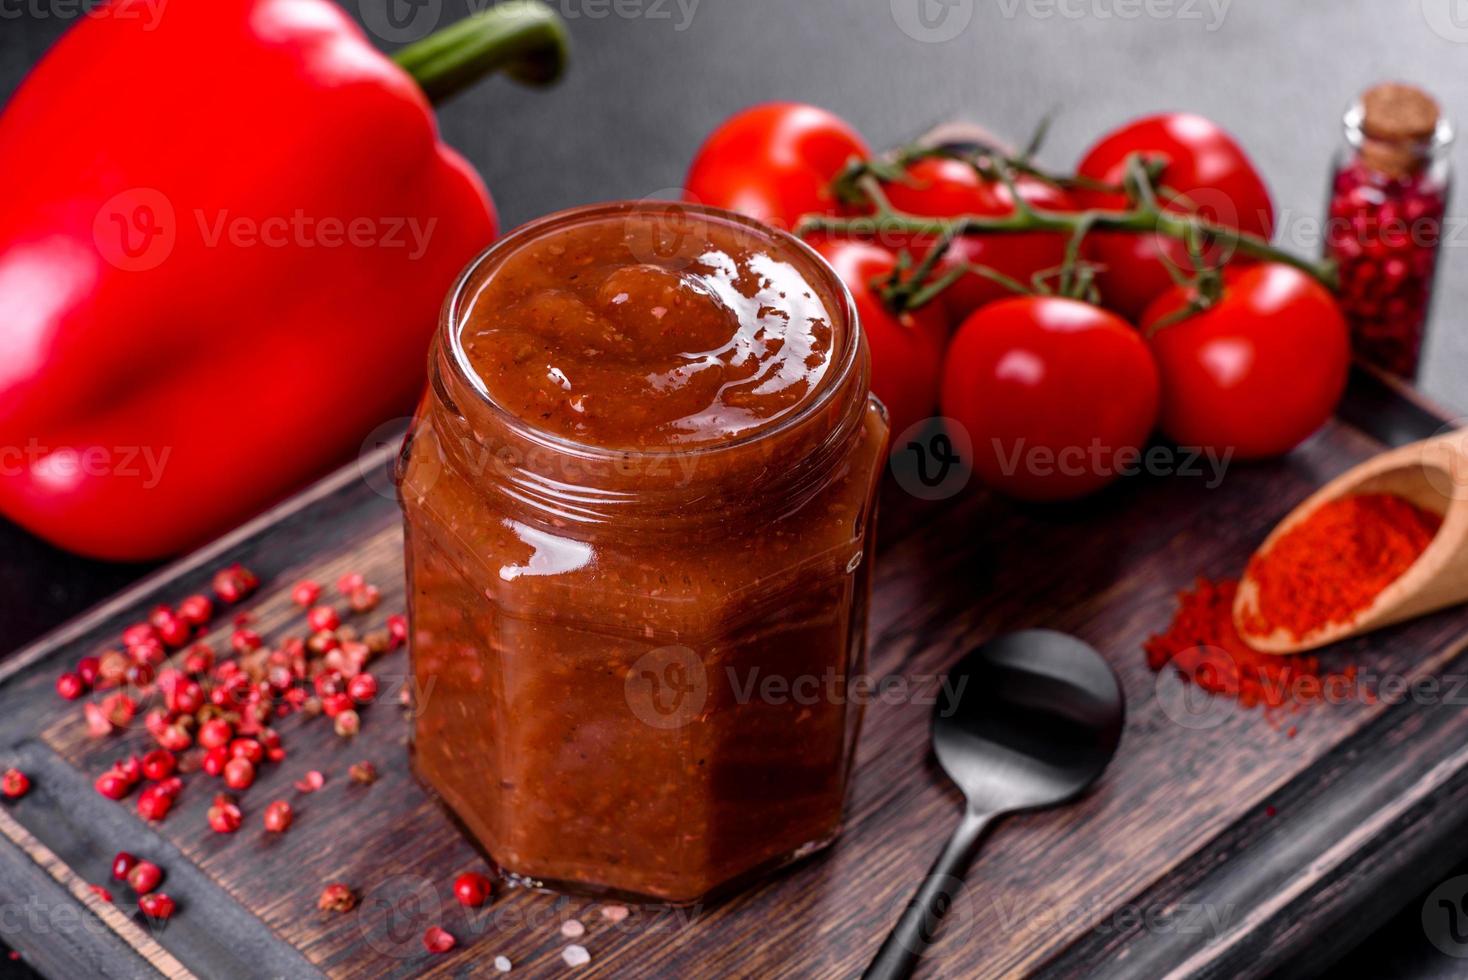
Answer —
524 38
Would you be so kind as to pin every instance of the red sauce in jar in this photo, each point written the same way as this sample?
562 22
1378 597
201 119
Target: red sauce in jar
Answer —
639 512
618 333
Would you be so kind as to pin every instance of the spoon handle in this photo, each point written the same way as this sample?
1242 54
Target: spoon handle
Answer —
915 931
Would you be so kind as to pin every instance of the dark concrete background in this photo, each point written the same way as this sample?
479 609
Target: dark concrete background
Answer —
651 77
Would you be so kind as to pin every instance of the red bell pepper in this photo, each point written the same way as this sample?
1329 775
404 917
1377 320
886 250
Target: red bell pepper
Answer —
229 226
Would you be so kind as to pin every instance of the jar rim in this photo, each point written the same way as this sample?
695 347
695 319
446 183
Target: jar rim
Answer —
451 322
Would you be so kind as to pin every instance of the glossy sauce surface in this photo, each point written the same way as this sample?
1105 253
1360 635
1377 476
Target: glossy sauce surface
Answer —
622 333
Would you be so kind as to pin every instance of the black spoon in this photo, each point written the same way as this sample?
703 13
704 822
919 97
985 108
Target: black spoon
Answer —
1026 721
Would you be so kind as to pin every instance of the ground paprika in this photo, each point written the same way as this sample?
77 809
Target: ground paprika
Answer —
1331 565
1203 646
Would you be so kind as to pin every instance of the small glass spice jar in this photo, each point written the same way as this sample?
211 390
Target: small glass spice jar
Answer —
1388 197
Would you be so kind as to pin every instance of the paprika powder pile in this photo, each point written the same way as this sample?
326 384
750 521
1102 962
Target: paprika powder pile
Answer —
1204 647
1335 562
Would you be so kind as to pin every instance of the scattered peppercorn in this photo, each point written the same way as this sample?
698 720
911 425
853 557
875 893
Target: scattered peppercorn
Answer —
363 773
438 940
337 897
70 686
323 619
364 598
122 864
247 748
155 802
144 877
239 773
234 583
472 889
196 610
278 817
224 815
14 784
348 723
362 689
157 906
113 785
306 593
159 764
310 782
101 892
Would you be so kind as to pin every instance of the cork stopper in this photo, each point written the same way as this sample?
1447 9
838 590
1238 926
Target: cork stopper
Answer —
1398 122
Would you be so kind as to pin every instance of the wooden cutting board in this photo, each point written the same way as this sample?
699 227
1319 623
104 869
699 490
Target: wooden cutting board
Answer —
1227 848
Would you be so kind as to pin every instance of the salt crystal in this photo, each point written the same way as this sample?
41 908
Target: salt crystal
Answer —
573 929
614 913
575 955
502 964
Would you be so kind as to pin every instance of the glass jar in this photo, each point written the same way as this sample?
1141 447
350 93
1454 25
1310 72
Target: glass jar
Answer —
1389 194
632 666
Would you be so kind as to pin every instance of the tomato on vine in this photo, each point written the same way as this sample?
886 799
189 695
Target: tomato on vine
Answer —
774 162
944 187
1193 157
1058 396
906 347
1256 371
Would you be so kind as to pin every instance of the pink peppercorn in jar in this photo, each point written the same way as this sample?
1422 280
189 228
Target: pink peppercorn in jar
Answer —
1388 198
641 489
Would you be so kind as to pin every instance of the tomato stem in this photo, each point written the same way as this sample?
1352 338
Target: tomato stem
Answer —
1141 220
860 183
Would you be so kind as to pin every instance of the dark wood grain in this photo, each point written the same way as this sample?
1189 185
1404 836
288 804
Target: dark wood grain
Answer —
1258 845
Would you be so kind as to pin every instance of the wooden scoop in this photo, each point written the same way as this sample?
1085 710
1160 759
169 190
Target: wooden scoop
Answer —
1433 474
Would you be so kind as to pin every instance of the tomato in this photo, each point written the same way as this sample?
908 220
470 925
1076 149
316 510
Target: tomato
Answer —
1203 162
774 162
942 187
1259 370
907 348
1058 396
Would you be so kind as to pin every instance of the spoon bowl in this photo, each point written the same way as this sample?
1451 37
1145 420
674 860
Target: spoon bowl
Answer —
1026 721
